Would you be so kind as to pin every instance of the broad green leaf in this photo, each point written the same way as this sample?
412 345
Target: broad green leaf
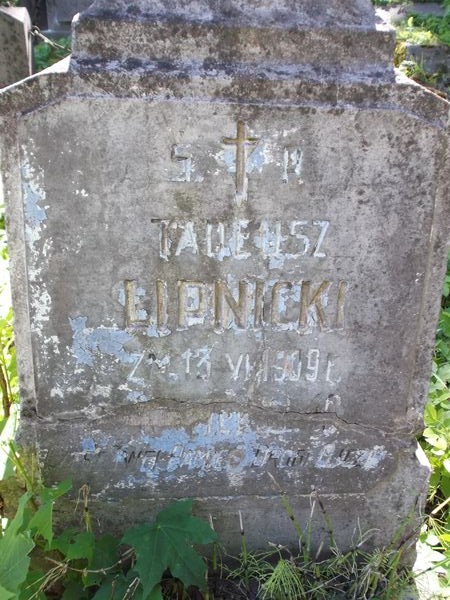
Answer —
19 521
5 594
444 322
62 542
104 557
437 453
114 587
82 546
156 594
30 587
443 349
73 590
42 520
444 372
14 563
168 544
438 442
430 412
75 544
180 513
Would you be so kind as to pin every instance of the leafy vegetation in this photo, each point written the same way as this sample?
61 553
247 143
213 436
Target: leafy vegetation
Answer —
436 443
48 52
425 30
158 561
8 371
444 3
146 562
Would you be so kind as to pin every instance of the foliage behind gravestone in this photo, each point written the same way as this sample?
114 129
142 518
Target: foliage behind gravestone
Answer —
49 52
436 443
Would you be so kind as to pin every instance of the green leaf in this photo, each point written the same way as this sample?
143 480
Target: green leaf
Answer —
5 595
31 585
114 587
75 545
156 594
445 485
42 520
167 544
444 372
14 550
19 521
73 590
434 439
444 322
82 546
104 557
430 413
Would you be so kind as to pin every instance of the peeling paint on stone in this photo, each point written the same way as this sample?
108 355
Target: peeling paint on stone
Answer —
225 431
34 195
103 340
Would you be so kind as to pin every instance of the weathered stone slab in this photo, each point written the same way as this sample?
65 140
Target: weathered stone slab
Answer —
61 12
15 45
226 272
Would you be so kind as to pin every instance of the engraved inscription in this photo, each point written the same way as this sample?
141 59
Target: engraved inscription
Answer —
235 369
292 164
182 156
243 239
248 304
184 456
185 171
244 146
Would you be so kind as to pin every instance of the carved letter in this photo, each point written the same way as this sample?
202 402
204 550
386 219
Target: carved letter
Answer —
292 163
278 302
342 290
239 309
161 305
191 303
131 316
323 230
188 238
309 299
259 304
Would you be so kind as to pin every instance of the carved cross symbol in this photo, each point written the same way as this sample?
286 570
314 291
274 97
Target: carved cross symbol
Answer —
242 143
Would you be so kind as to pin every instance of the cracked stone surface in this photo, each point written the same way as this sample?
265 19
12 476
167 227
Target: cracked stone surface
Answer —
227 271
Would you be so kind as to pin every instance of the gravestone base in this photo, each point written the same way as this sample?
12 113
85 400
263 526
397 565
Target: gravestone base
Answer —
390 512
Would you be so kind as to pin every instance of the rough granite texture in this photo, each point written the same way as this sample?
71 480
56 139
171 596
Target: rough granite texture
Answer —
228 270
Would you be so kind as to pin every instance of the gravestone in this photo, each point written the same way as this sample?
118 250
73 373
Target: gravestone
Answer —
228 237
61 12
15 45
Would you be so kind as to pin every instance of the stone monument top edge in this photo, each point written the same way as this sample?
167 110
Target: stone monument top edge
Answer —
335 14
326 35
